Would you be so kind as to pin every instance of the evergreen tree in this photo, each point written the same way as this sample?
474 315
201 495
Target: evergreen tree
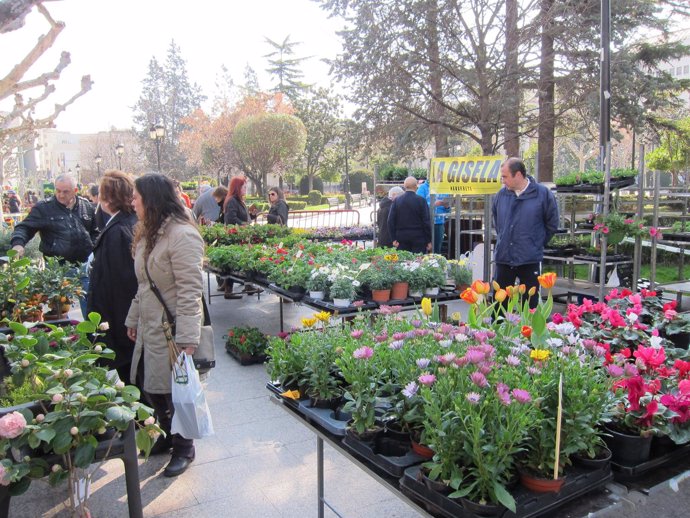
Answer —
286 68
251 82
167 97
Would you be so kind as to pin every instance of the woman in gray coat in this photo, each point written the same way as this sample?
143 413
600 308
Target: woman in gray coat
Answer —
168 243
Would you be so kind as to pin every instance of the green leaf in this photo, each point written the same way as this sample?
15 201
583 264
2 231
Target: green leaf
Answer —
503 496
62 442
84 455
45 434
119 416
23 283
86 327
18 328
94 318
19 487
131 393
144 441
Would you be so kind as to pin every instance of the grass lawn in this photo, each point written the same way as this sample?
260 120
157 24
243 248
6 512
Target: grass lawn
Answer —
664 273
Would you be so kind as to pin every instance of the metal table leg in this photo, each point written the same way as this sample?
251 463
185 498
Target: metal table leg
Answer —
319 473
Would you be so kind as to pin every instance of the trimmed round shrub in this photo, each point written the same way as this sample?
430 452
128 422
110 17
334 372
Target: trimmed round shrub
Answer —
314 197
304 185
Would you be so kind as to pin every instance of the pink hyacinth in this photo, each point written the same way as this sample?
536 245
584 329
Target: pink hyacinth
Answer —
12 425
363 353
427 379
521 396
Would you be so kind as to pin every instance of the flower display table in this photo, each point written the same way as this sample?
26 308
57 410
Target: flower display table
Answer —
124 448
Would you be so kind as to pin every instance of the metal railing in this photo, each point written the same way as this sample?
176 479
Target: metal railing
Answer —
317 218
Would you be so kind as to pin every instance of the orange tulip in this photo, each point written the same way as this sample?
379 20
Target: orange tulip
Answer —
522 289
481 287
496 286
548 280
532 291
526 331
510 290
500 295
469 296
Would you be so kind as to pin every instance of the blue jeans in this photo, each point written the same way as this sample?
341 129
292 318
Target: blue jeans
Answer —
439 232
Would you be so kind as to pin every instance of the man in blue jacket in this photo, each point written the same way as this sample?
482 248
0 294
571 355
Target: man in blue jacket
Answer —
525 216
409 223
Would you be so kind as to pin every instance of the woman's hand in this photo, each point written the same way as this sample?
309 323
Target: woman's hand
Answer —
132 333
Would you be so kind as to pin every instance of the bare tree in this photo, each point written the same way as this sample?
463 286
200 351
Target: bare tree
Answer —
29 89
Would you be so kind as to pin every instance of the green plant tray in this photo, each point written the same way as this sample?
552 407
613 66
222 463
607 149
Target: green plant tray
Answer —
246 359
579 481
385 454
659 460
677 236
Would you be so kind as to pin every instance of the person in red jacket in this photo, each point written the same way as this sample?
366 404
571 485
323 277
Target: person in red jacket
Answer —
183 195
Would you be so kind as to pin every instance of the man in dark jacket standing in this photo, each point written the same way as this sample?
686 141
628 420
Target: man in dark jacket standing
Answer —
409 223
525 216
66 224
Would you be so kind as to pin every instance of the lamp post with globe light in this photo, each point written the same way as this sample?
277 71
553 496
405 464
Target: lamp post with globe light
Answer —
119 151
157 133
77 168
98 159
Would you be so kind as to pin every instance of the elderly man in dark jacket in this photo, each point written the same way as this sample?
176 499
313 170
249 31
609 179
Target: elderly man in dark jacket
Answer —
525 216
66 225
409 222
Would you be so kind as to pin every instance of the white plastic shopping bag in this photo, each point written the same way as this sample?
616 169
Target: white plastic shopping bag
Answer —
192 419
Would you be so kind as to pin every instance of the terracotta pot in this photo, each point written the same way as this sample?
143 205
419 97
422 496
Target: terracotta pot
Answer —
422 450
541 485
380 295
399 290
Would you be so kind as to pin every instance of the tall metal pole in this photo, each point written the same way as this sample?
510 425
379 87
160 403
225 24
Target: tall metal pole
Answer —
158 153
347 176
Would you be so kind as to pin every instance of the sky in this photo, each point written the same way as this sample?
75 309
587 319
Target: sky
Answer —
114 40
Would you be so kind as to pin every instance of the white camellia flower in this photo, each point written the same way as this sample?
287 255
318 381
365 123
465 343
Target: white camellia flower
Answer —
104 326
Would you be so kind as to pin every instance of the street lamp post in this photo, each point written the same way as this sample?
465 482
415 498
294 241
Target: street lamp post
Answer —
98 159
157 133
119 151
77 168
347 186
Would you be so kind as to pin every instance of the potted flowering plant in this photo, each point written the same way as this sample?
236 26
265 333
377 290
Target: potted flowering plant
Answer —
616 227
75 402
343 289
459 270
59 284
320 372
246 344
318 282
433 272
359 370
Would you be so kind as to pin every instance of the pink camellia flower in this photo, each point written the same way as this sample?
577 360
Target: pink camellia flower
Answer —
363 353
4 480
12 425
479 379
521 395
427 379
653 231
473 397
356 334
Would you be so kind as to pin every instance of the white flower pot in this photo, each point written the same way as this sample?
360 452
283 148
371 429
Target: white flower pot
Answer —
341 303
316 295
416 293
431 291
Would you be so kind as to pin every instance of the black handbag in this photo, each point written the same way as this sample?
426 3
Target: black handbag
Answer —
205 354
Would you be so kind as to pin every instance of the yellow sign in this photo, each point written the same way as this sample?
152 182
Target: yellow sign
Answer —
465 175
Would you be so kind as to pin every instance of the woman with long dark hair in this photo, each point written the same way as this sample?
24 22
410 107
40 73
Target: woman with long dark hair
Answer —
112 282
278 212
169 249
235 212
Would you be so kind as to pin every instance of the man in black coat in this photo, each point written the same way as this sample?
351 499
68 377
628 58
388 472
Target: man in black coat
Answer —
409 223
382 216
67 227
